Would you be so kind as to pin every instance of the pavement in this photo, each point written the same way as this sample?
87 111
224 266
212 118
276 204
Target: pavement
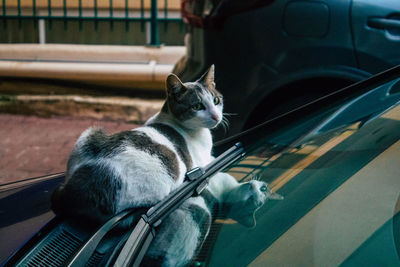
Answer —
38 131
32 146
49 94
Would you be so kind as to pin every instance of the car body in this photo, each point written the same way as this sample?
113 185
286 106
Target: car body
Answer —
271 56
334 160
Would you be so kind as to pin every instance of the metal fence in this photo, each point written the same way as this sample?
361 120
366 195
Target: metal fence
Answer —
149 13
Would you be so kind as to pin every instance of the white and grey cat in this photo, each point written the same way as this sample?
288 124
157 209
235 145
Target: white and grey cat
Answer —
138 168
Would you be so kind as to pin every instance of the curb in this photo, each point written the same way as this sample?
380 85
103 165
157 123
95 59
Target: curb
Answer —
130 110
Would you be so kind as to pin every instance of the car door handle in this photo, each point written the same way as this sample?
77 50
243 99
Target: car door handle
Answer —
384 23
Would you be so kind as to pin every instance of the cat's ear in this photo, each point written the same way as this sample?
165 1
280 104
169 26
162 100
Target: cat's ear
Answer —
275 196
208 77
174 85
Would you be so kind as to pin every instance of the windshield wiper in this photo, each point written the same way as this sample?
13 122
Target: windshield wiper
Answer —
197 179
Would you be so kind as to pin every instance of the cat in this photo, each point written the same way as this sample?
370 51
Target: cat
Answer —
107 174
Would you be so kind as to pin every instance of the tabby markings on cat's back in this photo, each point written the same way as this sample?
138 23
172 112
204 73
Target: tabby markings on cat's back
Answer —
177 140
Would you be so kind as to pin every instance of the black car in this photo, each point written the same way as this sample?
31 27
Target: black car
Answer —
272 56
335 161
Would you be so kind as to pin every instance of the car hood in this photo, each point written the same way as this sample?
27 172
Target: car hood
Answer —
24 209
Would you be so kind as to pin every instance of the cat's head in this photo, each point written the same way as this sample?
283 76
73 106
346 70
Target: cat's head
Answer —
194 104
242 203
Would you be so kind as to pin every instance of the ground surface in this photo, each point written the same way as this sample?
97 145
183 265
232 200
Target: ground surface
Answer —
31 146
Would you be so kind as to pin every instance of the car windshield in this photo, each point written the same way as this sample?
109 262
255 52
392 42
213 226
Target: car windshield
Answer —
340 183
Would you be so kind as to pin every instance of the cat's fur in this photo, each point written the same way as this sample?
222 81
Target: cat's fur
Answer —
138 168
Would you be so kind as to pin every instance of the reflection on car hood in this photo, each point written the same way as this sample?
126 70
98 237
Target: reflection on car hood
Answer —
362 109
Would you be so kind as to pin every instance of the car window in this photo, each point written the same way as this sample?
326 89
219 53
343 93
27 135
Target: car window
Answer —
341 200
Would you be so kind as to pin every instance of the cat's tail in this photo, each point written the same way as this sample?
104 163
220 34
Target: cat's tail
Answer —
64 206
68 203
57 200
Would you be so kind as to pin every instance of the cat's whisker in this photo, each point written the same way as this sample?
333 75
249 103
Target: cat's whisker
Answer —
255 177
230 114
225 124
223 127
225 120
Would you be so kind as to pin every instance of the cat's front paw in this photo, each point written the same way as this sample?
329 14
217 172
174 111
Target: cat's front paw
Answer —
243 201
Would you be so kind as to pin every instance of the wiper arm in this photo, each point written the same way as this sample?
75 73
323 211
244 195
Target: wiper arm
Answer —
86 251
197 179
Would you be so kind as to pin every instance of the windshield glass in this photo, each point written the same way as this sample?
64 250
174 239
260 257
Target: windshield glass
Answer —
341 196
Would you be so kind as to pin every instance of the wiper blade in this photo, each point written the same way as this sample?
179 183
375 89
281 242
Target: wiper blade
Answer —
86 251
197 179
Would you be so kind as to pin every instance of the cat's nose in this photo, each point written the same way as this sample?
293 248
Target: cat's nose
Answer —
215 117
259 203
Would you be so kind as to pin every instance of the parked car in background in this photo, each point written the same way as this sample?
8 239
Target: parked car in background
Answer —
335 161
272 55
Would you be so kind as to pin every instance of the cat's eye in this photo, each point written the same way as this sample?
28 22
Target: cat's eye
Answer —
198 106
217 100
263 188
